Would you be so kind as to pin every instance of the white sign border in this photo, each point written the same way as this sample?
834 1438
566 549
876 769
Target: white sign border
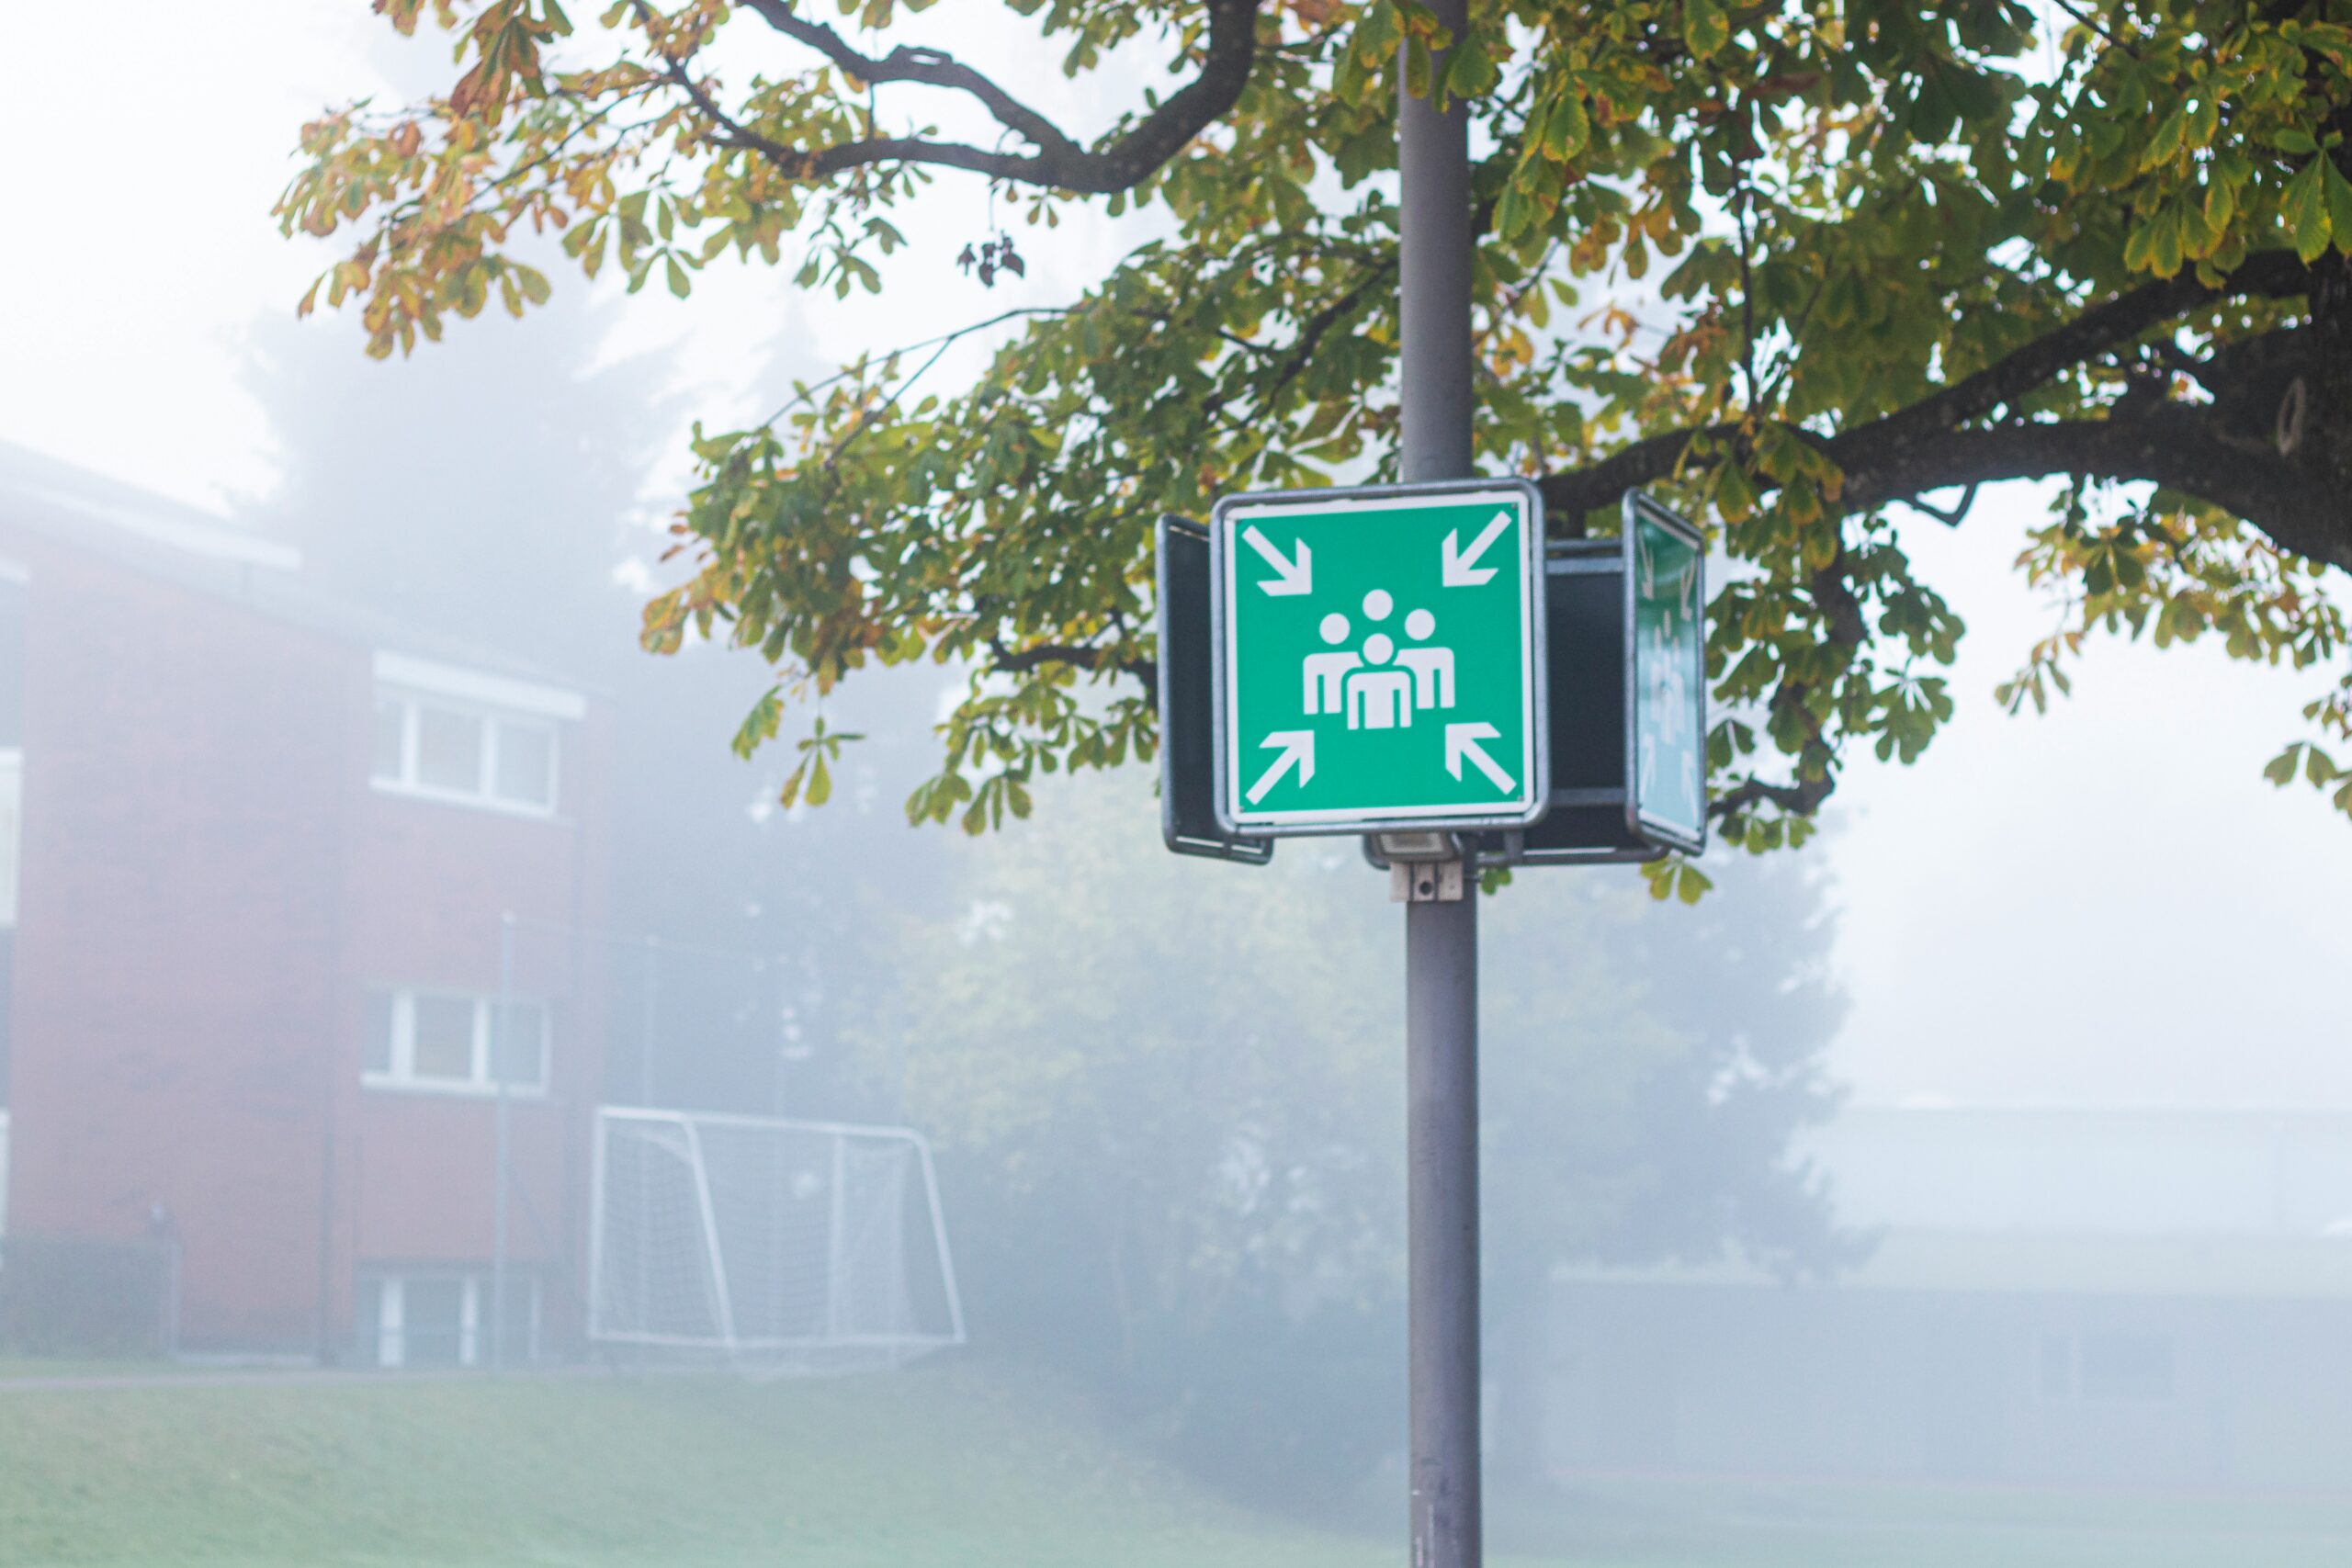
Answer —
1535 798
1638 509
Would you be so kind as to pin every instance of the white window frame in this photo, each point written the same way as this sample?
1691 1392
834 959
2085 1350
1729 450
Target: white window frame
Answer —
474 1301
485 795
402 1076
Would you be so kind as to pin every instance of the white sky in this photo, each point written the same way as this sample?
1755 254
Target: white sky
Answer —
2105 905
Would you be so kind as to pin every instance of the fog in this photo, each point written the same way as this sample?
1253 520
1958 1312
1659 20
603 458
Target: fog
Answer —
452 1111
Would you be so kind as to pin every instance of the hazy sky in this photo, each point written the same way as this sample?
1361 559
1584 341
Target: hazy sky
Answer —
2105 905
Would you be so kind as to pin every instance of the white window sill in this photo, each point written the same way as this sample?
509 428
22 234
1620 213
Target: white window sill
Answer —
489 803
453 1089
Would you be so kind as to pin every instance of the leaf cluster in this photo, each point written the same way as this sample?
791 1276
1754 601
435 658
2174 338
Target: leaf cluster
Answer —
1804 265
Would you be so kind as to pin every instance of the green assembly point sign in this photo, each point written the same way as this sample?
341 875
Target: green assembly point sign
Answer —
1665 612
1379 659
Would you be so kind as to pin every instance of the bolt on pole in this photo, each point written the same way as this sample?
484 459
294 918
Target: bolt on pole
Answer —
1441 936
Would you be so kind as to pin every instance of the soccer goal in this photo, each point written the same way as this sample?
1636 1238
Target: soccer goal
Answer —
808 1246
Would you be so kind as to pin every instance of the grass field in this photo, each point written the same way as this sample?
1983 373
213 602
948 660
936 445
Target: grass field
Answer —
945 1464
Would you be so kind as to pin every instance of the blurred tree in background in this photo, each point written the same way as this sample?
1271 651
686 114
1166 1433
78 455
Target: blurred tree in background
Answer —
1170 1096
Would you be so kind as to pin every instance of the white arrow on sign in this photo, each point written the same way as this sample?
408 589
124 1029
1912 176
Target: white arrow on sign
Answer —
1462 742
1298 747
1291 577
1462 568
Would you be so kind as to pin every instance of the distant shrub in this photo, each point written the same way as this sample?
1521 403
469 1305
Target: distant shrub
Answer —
1277 1407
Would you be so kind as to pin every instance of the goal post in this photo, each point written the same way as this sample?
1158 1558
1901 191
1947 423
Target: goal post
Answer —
760 1238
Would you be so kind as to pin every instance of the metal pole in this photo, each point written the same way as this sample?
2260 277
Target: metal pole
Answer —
650 1019
1441 937
498 1048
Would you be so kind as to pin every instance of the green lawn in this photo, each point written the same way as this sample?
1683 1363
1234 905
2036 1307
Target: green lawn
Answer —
1753 1525
945 1464
938 1464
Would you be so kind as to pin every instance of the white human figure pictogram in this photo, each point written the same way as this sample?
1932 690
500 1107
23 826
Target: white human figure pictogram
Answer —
1432 668
1326 672
1380 697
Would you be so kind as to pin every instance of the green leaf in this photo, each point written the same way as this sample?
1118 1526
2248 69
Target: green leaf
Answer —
1418 67
1735 494
760 724
2164 145
2304 208
2163 246
1705 28
2339 204
1567 128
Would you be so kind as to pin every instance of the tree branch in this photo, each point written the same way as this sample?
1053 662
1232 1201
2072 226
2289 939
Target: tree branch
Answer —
1579 490
1059 162
1883 458
2179 447
731 131
931 67
1936 444
1800 799
1006 661
2007 381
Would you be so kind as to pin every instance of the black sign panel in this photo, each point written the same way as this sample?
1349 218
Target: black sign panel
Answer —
1187 744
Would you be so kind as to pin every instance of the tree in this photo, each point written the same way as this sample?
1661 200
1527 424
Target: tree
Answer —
1906 249
1166 1097
487 494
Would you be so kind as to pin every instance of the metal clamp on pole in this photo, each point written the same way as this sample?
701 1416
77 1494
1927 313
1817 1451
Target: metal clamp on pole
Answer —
1427 882
1423 868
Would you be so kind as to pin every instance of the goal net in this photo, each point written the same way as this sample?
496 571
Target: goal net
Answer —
802 1245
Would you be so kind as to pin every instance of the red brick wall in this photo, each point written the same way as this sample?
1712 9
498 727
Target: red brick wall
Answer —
209 882
178 927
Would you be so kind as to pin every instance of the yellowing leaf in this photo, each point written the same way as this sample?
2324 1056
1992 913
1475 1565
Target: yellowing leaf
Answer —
2339 204
1705 28
2166 143
2304 208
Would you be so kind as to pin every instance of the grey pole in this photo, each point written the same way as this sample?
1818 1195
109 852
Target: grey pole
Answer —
498 1028
651 1011
1441 937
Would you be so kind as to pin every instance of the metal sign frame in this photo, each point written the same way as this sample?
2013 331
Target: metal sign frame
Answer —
1179 650
1537 714
1639 508
1600 557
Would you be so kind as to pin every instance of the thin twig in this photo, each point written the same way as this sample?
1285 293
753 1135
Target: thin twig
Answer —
805 394
2095 26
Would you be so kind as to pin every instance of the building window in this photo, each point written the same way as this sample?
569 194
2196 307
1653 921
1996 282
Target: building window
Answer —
441 1318
2103 1367
444 750
451 1042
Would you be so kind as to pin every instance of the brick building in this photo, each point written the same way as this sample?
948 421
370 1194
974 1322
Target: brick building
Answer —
258 850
